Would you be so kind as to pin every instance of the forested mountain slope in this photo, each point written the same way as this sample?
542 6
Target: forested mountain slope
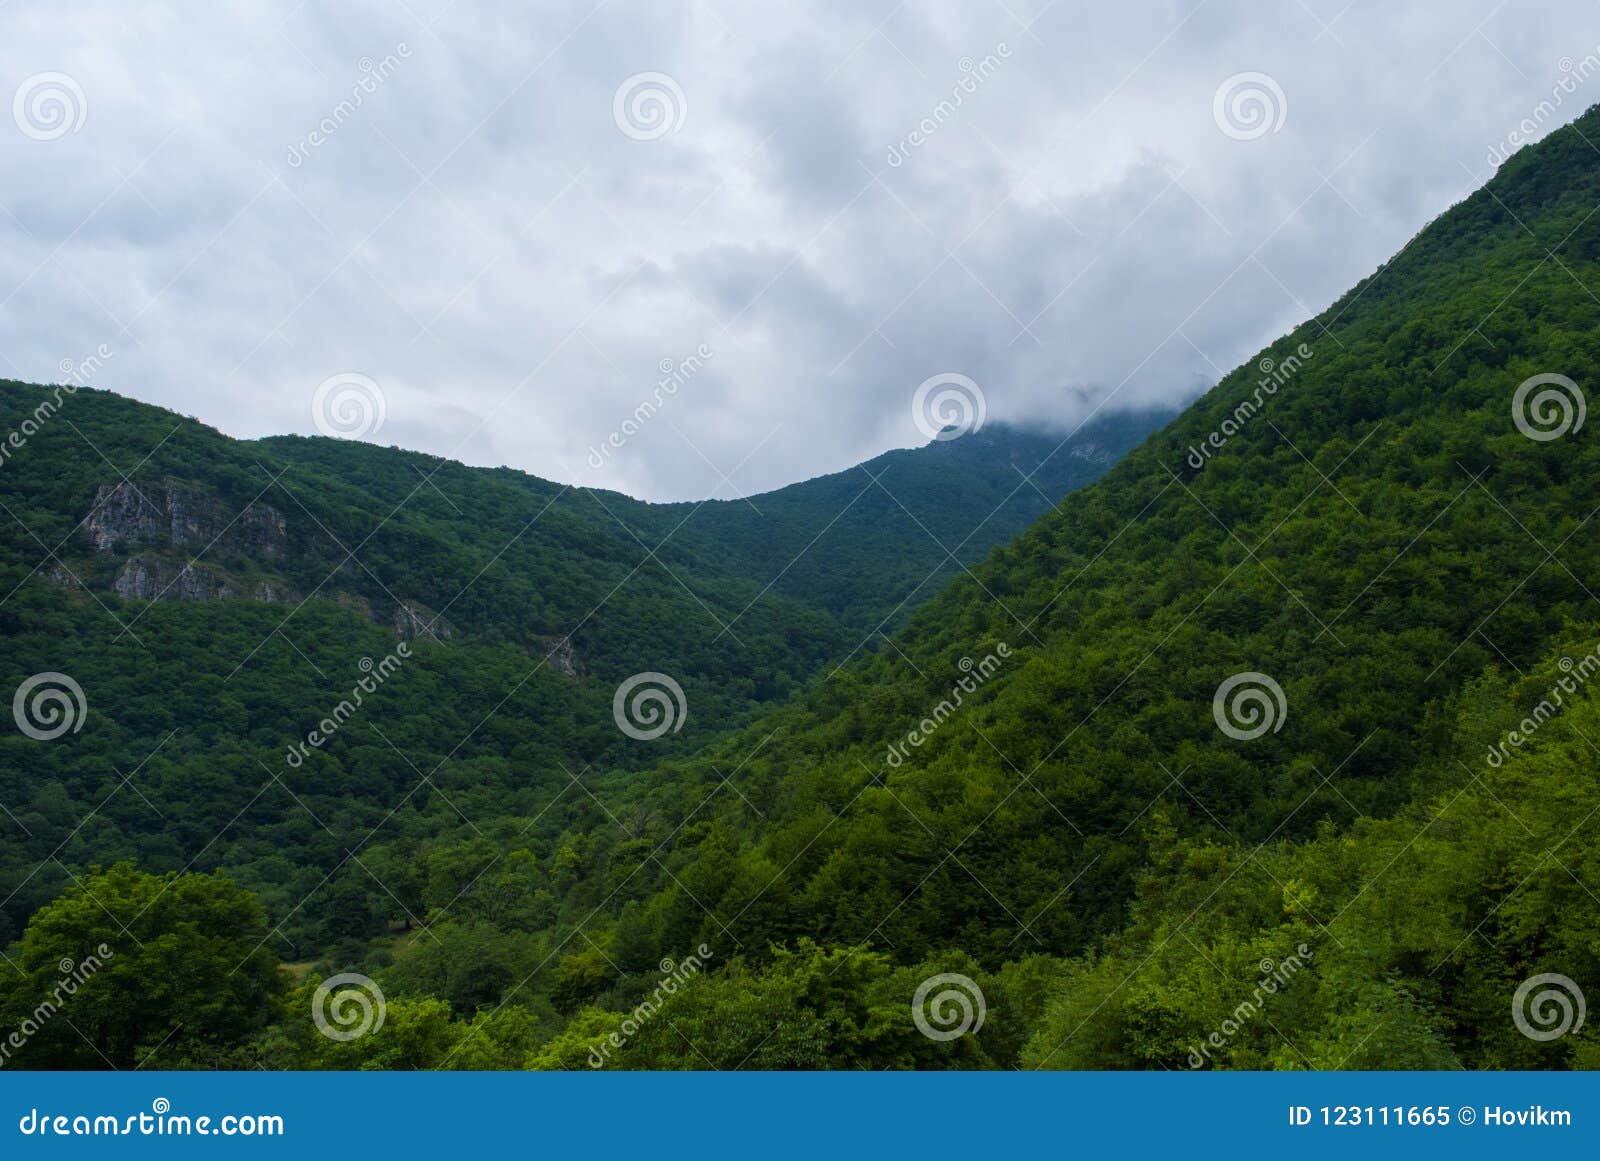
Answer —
857 543
1385 532
217 599
1226 702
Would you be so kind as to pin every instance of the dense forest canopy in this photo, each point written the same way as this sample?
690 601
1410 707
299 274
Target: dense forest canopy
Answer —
218 602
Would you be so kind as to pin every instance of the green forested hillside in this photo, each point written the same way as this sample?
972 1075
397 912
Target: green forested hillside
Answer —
325 553
857 544
1417 929
1042 786
1380 538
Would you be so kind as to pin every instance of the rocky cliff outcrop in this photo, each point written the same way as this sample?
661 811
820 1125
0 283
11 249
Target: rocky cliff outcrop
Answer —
413 622
185 543
561 657
171 524
150 578
167 513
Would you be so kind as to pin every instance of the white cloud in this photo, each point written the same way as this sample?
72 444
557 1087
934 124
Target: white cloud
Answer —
478 236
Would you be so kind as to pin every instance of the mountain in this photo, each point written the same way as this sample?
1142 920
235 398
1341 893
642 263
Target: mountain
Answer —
217 600
1273 748
1218 719
869 544
442 549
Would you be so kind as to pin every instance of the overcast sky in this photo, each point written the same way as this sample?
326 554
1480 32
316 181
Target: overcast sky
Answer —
504 222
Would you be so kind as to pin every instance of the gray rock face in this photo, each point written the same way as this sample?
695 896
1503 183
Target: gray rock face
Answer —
413 622
153 579
269 590
136 582
179 531
161 516
561 657
167 513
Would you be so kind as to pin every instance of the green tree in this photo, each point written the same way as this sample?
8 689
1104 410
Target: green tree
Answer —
128 966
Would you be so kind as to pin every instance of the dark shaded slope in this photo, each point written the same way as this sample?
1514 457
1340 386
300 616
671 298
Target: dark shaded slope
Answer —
870 544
